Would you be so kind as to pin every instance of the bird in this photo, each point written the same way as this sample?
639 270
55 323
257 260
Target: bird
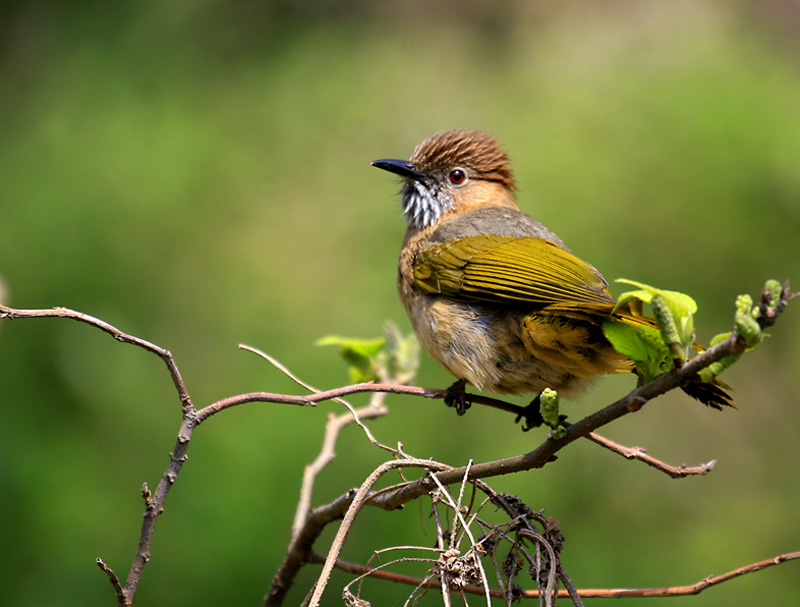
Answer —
495 297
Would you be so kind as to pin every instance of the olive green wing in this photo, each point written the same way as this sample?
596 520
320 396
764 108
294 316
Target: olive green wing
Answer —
501 269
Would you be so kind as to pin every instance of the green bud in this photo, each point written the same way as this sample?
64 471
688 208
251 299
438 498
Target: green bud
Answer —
668 328
743 304
747 328
775 289
743 322
548 406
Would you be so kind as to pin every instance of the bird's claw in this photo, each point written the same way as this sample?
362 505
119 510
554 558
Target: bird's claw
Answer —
531 415
456 396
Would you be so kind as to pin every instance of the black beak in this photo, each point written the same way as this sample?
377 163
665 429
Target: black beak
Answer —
400 167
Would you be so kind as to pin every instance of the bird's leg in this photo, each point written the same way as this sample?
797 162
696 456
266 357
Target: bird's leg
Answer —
456 396
531 414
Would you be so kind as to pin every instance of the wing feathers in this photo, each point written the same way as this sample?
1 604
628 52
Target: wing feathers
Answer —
500 269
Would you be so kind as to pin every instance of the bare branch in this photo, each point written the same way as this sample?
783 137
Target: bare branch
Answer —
154 503
610 593
457 508
121 599
313 399
335 424
640 454
326 455
545 452
358 501
374 409
11 313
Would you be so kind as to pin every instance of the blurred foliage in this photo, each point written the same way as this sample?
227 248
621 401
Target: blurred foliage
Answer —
197 174
394 357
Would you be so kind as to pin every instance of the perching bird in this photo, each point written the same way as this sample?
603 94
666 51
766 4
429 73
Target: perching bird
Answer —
493 295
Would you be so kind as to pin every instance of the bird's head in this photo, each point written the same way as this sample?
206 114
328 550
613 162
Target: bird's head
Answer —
450 173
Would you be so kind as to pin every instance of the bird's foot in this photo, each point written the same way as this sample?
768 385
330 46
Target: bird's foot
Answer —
456 396
532 415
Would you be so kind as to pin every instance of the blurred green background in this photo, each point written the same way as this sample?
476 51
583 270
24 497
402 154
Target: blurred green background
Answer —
197 174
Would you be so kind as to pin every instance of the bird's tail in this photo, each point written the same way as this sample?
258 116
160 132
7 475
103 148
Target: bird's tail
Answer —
714 394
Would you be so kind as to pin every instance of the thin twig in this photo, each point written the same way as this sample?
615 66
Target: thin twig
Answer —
640 454
313 399
357 502
115 581
440 544
335 424
375 408
154 503
319 559
610 593
550 589
456 506
327 454
58 312
573 592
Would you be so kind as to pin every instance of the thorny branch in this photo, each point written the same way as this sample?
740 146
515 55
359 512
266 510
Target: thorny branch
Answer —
348 504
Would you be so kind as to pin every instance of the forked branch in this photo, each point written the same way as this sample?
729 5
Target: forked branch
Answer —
304 535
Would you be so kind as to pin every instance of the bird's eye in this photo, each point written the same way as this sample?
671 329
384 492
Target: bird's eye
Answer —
457 176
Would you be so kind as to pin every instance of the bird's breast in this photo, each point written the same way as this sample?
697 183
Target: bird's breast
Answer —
484 347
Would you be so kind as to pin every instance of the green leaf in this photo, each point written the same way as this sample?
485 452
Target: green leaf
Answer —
625 298
393 357
358 347
678 305
625 340
361 355
642 344
646 292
